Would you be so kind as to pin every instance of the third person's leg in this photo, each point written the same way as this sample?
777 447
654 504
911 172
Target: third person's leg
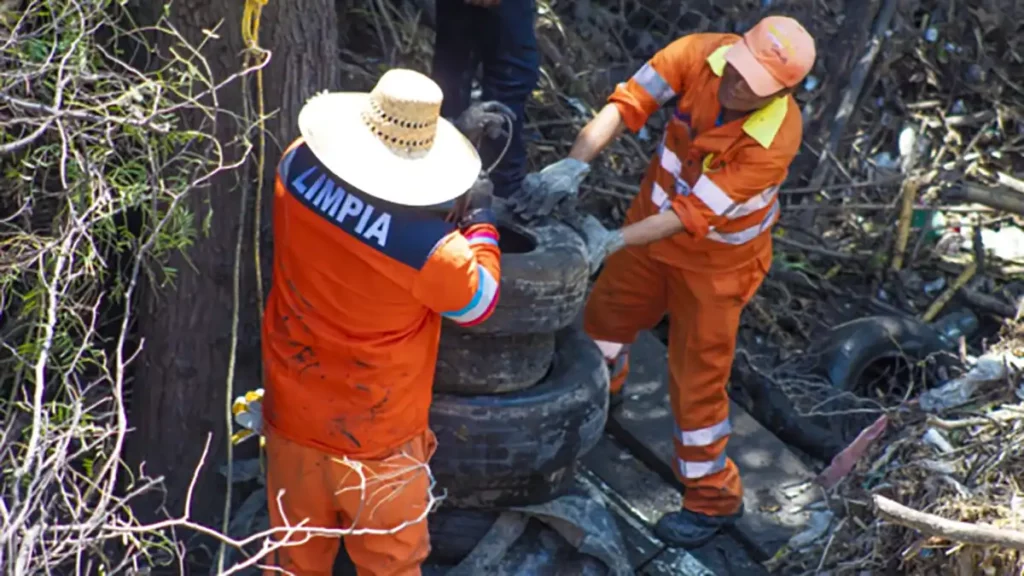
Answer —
456 53
511 67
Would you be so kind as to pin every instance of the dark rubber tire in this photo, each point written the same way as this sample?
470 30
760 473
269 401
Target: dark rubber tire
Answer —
849 349
842 357
543 288
521 448
470 363
455 532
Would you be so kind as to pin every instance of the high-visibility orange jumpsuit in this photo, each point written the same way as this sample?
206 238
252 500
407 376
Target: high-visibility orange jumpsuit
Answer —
350 341
722 181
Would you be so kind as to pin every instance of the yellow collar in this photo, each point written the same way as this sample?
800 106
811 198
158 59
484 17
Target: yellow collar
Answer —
763 124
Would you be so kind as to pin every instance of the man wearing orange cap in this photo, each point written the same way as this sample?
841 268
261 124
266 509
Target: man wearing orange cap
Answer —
696 241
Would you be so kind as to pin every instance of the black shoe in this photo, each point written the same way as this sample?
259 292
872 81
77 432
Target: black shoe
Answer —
686 529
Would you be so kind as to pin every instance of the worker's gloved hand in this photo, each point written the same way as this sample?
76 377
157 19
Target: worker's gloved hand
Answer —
552 188
601 242
475 206
485 118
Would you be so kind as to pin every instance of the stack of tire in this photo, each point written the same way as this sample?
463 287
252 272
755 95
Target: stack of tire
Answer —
519 398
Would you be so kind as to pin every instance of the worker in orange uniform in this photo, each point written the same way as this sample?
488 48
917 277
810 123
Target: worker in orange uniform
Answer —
696 241
364 271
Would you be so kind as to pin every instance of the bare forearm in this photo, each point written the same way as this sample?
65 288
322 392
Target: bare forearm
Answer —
597 134
652 229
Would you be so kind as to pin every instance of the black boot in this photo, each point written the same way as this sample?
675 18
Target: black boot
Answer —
686 529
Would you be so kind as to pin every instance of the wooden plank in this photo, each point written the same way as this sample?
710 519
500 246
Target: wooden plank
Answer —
776 481
640 545
648 496
647 554
675 562
645 493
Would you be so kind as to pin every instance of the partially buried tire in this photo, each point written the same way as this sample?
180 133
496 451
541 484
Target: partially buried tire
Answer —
543 278
521 448
469 363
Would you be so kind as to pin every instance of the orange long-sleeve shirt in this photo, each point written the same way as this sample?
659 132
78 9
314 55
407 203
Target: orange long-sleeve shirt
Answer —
721 179
353 319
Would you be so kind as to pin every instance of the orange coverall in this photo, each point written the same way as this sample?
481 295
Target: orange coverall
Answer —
722 181
350 341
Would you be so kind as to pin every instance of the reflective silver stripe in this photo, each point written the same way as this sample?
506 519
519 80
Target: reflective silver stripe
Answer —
689 469
766 197
712 196
660 198
744 236
716 199
669 160
705 436
651 81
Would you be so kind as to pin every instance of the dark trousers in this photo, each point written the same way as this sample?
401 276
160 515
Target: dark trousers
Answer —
503 41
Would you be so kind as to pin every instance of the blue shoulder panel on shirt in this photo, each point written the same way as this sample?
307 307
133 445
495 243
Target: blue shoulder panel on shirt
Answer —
398 232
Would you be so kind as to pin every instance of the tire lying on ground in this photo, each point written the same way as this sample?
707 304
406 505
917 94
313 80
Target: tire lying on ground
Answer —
521 448
543 278
850 352
469 363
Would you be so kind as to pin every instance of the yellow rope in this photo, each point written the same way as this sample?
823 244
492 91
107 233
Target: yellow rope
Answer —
250 37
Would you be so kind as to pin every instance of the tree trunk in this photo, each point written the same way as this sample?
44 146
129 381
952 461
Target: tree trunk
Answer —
179 391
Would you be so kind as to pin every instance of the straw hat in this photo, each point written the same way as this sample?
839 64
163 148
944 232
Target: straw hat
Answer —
392 143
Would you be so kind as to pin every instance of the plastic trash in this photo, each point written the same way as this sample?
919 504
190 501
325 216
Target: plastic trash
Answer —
817 527
959 391
935 439
956 324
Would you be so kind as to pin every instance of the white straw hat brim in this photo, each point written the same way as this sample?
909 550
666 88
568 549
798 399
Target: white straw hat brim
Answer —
332 126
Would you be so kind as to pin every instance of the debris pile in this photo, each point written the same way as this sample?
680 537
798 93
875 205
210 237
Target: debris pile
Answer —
939 494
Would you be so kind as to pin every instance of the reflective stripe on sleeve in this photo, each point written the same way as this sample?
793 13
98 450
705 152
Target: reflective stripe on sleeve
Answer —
478 237
483 301
652 82
748 234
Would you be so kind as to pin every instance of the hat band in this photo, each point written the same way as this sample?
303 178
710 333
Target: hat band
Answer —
403 136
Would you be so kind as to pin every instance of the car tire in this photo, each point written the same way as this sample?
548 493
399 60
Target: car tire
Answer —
851 349
469 363
543 278
454 532
520 448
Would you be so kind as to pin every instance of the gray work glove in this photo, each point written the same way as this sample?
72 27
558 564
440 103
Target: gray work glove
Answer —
601 242
485 118
553 187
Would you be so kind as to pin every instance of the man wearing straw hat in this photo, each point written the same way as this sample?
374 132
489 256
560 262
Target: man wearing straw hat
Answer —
363 273
696 241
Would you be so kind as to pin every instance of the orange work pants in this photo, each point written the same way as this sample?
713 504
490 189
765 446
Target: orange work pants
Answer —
633 293
321 488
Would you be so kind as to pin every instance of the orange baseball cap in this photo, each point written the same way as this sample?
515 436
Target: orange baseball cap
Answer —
776 53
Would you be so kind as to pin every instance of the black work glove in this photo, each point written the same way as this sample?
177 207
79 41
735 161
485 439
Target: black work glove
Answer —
475 205
485 118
